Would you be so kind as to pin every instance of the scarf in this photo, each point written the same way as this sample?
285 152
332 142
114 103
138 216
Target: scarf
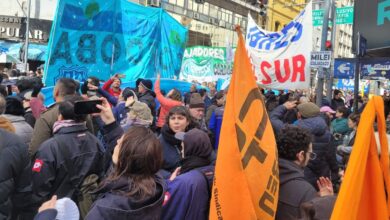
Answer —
192 162
64 124
169 136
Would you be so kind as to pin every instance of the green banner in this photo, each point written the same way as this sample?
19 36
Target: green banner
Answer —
206 64
343 16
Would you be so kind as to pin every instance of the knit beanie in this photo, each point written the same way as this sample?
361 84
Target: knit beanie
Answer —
147 84
308 110
141 111
196 101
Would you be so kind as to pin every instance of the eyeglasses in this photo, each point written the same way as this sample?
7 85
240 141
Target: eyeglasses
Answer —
312 156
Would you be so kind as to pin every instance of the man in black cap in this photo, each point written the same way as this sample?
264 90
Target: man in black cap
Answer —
337 101
196 107
147 96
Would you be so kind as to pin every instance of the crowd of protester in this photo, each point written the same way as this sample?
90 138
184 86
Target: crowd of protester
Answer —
149 154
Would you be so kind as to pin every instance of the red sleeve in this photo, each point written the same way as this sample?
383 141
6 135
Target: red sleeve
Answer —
107 85
163 100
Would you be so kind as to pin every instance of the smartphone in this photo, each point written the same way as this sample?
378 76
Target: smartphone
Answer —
121 76
87 107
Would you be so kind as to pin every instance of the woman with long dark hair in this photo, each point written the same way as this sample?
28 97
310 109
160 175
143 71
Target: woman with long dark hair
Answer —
132 189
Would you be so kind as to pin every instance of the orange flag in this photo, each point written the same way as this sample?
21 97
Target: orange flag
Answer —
366 182
246 182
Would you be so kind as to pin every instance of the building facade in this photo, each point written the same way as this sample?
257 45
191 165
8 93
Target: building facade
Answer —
281 12
211 22
343 38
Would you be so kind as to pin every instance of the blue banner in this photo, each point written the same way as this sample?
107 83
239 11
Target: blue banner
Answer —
35 51
375 68
348 85
370 68
100 38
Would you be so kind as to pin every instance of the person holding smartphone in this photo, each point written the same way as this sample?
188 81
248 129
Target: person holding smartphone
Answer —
113 85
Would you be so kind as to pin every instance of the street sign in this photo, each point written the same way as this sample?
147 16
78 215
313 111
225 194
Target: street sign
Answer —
344 68
344 15
318 17
321 59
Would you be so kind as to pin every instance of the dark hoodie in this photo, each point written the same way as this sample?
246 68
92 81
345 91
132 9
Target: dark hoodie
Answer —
294 190
114 205
325 163
148 98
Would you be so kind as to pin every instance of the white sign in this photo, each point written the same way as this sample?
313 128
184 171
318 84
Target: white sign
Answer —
321 59
281 60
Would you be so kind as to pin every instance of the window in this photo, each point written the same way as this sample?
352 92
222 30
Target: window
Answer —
229 16
180 3
206 7
277 25
190 4
213 11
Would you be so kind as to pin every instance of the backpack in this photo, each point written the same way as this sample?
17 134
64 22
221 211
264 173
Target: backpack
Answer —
82 194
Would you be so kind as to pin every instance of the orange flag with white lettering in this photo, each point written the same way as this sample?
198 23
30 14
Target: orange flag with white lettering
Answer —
246 181
364 192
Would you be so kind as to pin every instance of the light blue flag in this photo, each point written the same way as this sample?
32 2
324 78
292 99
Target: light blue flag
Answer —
100 38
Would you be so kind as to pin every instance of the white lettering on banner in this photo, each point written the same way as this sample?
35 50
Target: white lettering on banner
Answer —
281 60
217 53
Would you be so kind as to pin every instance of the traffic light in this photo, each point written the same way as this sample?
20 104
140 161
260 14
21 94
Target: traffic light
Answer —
328 45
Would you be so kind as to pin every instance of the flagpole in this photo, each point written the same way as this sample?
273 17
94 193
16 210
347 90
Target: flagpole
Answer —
27 37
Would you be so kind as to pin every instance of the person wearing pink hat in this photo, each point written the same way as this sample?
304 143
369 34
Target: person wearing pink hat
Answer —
327 114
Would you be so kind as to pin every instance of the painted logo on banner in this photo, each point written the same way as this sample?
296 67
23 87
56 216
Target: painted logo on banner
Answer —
107 37
205 64
281 60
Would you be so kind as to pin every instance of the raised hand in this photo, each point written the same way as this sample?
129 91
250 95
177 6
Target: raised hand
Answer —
106 114
325 186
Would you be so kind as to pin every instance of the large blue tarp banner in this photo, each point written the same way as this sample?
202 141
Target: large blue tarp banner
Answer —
100 38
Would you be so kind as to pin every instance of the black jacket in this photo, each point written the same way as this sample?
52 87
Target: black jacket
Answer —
50 170
15 177
325 163
148 98
113 204
294 190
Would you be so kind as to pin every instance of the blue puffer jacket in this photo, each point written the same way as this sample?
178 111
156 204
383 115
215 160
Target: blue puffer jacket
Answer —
325 163
215 124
